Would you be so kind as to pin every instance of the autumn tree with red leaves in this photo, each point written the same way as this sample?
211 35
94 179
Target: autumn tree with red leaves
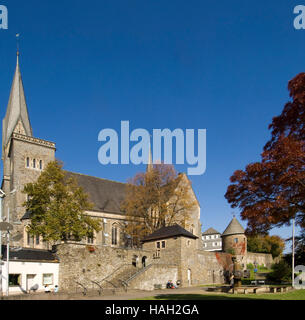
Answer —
271 192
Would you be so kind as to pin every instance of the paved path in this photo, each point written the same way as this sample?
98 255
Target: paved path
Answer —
130 295
133 294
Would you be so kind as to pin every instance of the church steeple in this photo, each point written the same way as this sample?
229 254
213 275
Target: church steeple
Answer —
16 118
150 161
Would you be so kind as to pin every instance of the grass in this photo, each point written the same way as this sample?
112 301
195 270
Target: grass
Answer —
292 295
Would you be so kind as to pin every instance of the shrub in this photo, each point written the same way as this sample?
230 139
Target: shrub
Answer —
281 272
250 266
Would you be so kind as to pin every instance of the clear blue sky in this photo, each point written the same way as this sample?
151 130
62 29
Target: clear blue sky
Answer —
216 65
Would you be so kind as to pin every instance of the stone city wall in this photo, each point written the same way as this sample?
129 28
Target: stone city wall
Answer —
155 276
84 264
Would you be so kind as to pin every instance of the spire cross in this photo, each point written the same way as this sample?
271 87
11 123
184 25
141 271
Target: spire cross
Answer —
17 43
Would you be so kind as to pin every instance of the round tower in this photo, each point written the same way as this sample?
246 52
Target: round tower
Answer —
234 240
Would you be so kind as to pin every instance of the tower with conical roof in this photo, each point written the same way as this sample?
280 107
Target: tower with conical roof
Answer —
234 239
23 156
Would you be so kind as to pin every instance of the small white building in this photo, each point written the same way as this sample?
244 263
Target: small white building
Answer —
211 240
29 268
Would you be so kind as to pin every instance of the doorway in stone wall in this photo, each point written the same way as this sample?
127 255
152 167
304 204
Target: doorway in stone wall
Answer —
189 277
135 260
144 260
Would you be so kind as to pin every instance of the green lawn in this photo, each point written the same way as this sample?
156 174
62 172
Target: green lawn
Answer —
293 295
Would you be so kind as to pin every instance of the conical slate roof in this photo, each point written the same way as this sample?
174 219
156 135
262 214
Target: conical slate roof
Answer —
234 227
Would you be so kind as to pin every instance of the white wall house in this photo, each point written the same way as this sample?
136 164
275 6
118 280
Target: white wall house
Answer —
29 268
211 240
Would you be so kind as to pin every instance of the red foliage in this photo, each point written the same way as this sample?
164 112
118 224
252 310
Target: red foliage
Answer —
271 192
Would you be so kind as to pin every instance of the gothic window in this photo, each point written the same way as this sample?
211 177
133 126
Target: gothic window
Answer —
30 239
34 163
114 235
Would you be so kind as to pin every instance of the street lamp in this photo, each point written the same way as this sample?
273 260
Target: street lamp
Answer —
293 226
2 195
5 226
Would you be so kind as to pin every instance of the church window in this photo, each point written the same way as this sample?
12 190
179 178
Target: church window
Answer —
114 235
34 163
40 164
30 239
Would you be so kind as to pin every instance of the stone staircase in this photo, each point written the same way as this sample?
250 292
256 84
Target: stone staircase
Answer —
120 278
117 281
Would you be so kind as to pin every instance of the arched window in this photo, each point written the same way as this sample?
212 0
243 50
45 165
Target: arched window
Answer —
114 235
40 164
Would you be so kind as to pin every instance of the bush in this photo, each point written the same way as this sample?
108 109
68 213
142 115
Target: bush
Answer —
281 272
262 267
250 266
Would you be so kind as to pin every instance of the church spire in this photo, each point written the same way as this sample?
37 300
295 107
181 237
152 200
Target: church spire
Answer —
150 161
17 112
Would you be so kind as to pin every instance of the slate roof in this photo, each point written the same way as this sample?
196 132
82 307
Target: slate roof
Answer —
234 227
26 216
28 254
169 232
16 109
106 195
210 231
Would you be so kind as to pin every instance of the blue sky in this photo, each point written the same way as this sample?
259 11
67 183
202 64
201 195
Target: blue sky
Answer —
216 65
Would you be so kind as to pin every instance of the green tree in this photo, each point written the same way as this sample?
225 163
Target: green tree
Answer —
266 244
281 271
57 205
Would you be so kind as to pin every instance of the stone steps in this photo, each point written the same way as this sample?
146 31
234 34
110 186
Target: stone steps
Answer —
118 280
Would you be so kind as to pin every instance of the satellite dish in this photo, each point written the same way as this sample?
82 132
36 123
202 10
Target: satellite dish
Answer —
17 237
5 226
16 249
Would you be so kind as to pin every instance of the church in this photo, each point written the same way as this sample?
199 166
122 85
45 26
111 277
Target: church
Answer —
173 252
